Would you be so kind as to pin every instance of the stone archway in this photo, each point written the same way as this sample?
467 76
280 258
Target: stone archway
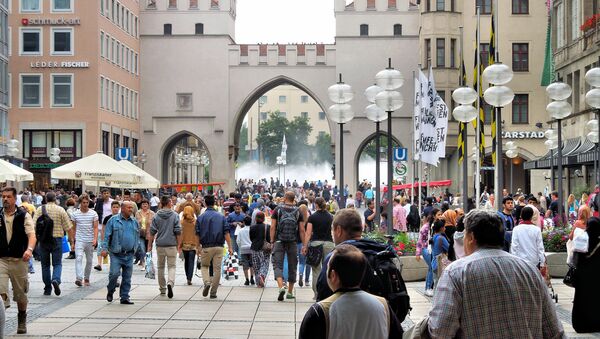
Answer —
359 152
185 159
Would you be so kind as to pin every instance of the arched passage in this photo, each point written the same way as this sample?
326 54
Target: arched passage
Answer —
364 159
185 159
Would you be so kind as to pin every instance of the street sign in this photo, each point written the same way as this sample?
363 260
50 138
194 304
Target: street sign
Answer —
123 153
400 154
400 169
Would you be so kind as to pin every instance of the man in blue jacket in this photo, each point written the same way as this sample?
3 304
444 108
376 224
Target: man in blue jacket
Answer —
212 231
120 239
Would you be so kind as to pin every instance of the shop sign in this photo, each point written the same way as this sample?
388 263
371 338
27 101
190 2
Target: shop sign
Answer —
50 21
523 135
43 165
60 64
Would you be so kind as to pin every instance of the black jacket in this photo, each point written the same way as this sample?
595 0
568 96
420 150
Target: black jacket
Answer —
19 241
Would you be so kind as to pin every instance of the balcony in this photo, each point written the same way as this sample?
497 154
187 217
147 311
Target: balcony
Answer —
587 43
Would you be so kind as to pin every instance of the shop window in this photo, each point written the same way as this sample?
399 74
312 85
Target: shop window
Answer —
31 91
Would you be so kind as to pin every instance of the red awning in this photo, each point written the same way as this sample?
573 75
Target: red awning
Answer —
439 183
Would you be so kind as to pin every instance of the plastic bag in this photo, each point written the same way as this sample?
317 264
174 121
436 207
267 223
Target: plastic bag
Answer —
150 272
580 243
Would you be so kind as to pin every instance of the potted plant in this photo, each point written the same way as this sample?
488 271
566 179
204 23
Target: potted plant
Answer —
555 244
405 246
589 23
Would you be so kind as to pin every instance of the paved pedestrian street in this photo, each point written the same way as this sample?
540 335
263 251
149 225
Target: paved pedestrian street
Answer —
238 312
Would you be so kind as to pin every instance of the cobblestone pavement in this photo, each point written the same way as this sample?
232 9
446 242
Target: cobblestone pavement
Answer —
238 312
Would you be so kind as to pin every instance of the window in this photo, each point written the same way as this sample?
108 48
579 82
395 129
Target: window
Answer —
167 29
520 57
282 99
452 53
484 54
520 6
116 140
442 95
62 41
452 5
304 115
427 5
283 115
62 86
560 29
364 30
125 141
520 109
485 6
31 90
321 115
172 3
105 140
440 5
102 44
440 53
263 99
397 29
199 29
304 99
30 6
151 4
62 5
575 21
263 116
184 101
427 61
101 92
134 146
31 41
194 4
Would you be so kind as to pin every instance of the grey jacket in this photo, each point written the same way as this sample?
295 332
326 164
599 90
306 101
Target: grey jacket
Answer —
165 228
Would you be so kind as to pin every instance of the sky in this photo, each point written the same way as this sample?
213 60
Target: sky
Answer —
285 21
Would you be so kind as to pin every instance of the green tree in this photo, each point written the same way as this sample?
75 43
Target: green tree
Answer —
370 147
323 148
243 154
270 135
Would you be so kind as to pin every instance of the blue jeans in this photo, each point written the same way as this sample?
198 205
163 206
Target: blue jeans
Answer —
118 263
304 270
427 257
56 256
190 263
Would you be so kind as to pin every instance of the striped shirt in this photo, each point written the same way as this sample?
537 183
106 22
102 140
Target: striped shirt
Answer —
492 294
84 223
62 222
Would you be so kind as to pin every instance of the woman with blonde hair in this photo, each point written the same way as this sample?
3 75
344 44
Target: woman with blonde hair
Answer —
572 207
189 245
579 227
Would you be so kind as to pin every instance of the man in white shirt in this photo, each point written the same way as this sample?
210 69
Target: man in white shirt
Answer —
154 201
527 240
85 221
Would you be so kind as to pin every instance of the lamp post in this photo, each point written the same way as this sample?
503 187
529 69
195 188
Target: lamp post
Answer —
498 96
376 114
592 98
341 113
511 153
12 148
389 100
465 113
558 110
551 144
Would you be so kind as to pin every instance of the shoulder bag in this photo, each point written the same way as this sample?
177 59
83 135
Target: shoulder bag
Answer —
314 255
267 247
570 277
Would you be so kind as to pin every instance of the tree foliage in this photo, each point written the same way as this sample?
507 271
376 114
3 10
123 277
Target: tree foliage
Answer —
323 149
370 147
270 136
243 153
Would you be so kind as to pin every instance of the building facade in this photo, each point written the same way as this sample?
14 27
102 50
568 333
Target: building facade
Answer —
4 84
74 79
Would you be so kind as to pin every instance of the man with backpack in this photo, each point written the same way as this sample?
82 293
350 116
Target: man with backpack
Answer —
382 277
287 229
51 223
350 312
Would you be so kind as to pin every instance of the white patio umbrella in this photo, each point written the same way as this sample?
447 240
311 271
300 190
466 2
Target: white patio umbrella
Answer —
146 181
96 167
10 172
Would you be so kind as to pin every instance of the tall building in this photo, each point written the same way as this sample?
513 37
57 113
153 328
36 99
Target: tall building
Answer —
74 79
4 89
524 120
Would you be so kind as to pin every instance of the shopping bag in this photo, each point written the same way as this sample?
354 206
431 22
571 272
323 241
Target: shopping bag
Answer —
150 272
580 243
231 266
66 247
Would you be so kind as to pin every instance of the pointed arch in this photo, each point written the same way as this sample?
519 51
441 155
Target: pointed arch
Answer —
362 147
168 147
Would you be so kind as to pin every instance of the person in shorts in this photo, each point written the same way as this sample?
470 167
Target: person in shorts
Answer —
244 244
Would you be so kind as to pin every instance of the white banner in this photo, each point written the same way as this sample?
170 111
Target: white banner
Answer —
433 125
420 91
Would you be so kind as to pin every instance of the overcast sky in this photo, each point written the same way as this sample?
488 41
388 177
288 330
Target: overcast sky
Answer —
285 21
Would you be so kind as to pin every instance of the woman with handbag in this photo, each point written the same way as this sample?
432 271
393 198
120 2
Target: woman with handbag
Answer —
439 251
261 249
318 242
586 277
423 249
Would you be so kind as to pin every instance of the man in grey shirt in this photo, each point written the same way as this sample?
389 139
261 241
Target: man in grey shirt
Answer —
166 230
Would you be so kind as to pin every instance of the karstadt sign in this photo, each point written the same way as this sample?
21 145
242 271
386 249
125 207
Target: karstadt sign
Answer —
523 135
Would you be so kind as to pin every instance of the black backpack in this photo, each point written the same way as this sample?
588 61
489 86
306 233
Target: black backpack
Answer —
384 279
44 228
287 224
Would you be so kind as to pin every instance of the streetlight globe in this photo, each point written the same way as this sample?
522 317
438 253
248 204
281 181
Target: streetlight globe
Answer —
340 113
54 158
510 145
464 95
551 144
559 91
497 74
498 96
593 137
55 151
551 134
389 79
340 93
389 100
592 125
375 114
13 152
371 92
559 109
592 77
12 143
464 113
511 153
592 97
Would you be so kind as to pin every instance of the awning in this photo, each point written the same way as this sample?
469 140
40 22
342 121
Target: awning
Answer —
575 151
439 183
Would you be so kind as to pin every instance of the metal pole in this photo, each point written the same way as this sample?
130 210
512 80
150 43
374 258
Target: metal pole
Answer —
560 170
341 166
499 159
390 169
511 176
552 170
377 172
465 165
478 133
598 151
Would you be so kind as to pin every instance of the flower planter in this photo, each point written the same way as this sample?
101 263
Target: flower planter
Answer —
413 270
557 264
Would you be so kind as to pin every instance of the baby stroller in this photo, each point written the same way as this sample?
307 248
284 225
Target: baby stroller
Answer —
546 275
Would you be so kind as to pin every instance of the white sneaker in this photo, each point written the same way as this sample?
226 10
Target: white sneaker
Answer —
429 293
